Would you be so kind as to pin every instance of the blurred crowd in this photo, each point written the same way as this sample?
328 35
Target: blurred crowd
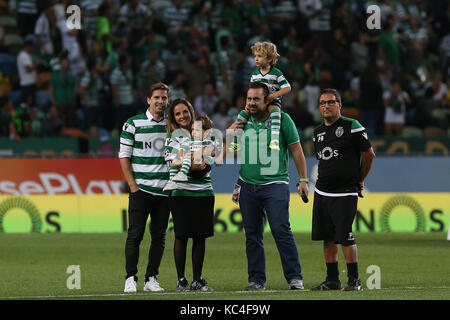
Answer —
60 80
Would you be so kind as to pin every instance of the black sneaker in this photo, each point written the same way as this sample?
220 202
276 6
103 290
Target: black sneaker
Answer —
182 285
353 285
328 285
200 285
253 286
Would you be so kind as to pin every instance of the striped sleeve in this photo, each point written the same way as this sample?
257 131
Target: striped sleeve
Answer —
282 81
127 139
254 76
356 126
359 135
172 146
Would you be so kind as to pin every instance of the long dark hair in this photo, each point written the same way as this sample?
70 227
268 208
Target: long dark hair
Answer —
171 123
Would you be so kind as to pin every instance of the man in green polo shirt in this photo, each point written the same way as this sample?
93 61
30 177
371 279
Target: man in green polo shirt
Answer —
62 92
264 189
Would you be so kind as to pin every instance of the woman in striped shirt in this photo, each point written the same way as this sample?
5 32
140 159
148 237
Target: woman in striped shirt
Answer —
192 203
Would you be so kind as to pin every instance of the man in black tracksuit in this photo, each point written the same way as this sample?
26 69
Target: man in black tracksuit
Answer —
345 157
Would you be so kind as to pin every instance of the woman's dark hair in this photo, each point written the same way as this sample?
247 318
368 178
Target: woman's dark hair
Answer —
171 123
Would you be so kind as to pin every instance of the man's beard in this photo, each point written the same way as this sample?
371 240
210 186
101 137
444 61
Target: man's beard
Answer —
159 110
258 113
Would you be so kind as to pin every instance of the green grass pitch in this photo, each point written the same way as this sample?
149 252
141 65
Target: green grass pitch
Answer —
33 266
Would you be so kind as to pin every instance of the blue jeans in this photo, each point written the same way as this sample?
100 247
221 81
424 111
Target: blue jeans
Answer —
273 200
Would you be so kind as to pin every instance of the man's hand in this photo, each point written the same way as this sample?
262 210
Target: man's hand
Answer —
237 125
197 166
303 188
176 163
360 189
271 97
128 173
134 187
246 109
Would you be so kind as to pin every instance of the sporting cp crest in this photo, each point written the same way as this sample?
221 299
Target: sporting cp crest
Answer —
339 132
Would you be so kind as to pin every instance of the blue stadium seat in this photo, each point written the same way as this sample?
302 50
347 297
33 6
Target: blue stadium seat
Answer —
8 65
16 97
42 97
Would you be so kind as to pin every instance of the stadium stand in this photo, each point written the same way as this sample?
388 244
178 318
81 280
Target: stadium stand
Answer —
323 43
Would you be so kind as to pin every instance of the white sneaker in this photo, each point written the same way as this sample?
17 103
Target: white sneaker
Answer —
180 176
296 284
152 285
171 185
130 285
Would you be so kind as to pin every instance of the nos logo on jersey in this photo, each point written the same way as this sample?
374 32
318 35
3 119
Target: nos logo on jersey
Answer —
327 153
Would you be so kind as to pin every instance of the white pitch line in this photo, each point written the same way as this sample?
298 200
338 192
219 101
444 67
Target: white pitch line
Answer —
149 294
196 293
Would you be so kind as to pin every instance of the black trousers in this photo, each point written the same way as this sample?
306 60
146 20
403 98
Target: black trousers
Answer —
141 204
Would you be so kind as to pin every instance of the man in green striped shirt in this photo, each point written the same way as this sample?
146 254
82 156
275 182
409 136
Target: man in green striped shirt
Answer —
142 160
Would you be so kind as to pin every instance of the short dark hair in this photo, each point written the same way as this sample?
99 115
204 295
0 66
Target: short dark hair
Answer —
332 91
260 85
158 86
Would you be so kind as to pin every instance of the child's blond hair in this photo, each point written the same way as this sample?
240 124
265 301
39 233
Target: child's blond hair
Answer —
207 123
268 49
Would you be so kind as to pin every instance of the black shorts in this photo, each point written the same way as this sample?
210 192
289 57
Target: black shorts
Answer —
275 103
333 218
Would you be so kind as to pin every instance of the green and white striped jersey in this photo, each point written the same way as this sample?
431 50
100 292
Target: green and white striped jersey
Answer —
92 84
142 140
207 142
174 142
198 187
274 80
175 17
124 80
90 17
27 6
